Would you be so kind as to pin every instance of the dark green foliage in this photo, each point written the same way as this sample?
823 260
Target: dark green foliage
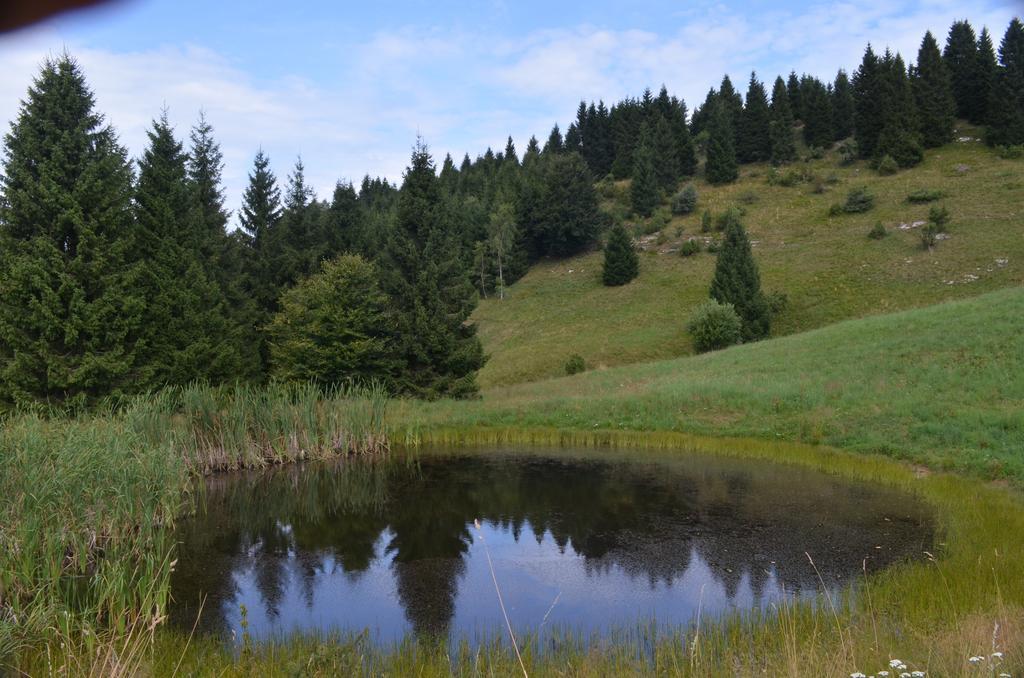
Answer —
1010 152
567 220
868 93
961 57
1006 104
575 364
933 95
899 136
733 106
427 282
720 167
706 222
783 146
877 231
666 163
644 192
686 151
737 282
924 195
730 217
887 166
621 263
939 215
793 92
554 145
689 248
843 107
817 113
858 200
714 326
334 327
685 201
754 143
261 211
929 235
188 332
985 78
70 311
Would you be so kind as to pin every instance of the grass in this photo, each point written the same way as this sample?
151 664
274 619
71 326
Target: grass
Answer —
827 267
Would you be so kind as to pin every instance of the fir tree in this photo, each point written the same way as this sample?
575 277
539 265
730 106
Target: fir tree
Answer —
430 292
188 331
737 282
783 144
817 113
733 106
294 254
686 152
261 212
568 218
449 176
793 90
621 263
643 192
842 107
899 137
554 145
510 152
343 225
754 142
869 92
69 307
720 166
933 95
573 140
1006 106
666 163
988 68
961 57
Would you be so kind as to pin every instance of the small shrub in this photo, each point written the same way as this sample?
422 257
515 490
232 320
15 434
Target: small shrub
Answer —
714 246
791 177
939 216
924 195
685 201
705 222
847 152
858 200
832 179
835 210
815 153
690 247
606 189
929 235
575 364
777 302
678 230
714 326
1010 152
728 217
887 166
878 231
749 197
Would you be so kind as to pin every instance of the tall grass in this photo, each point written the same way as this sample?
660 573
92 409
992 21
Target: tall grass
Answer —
87 504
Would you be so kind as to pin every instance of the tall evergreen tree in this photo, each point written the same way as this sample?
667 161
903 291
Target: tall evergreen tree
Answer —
295 254
70 310
686 151
869 93
569 219
817 113
899 137
644 194
843 110
733 104
754 140
431 295
961 57
737 282
988 69
720 166
621 264
342 225
793 89
260 217
666 163
573 139
933 95
783 144
554 145
188 331
1006 106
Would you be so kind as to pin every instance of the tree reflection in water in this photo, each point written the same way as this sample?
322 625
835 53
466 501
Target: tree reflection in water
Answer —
618 539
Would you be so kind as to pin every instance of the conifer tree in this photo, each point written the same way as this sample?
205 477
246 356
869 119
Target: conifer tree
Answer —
869 93
621 264
1006 106
783 144
933 95
643 192
988 68
189 334
793 89
573 140
510 152
817 113
343 225
666 163
754 138
261 212
961 57
899 137
737 282
568 219
686 151
733 105
554 145
449 176
842 107
69 306
720 166
430 292
294 252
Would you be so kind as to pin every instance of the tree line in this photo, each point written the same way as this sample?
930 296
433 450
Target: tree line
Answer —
121 276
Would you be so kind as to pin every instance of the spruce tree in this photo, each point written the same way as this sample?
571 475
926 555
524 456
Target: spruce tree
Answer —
568 219
733 104
933 95
869 93
430 292
988 68
621 263
783 143
343 225
554 145
793 89
899 137
573 139
842 107
817 113
666 163
189 334
294 251
69 307
720 166
754 143
961 57
261 212
643 192
737 282
1006 106
686 151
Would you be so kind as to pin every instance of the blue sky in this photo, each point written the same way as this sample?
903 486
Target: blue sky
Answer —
349 85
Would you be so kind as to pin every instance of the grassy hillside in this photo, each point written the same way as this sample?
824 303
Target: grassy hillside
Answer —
826 266
942 385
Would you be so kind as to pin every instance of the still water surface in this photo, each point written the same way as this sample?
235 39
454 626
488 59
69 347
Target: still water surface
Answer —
586 541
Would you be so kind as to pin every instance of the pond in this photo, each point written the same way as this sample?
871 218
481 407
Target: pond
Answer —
589 542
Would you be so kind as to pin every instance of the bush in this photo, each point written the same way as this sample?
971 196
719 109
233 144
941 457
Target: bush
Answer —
929 235
689 248
878 231
939 216
887 166
575 364
789 178
714 326
685 201
847 152
815 153
705 222
924 195
1010 152
858 200
714 246
749 197
777 302
729 216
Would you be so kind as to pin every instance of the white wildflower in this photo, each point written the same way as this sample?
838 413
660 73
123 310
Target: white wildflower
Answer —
894 663
975 659
997 655
857 674
917 674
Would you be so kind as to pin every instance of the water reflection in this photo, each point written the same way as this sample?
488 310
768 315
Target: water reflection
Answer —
586 541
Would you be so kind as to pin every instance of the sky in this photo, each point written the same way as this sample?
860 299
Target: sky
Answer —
348 86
